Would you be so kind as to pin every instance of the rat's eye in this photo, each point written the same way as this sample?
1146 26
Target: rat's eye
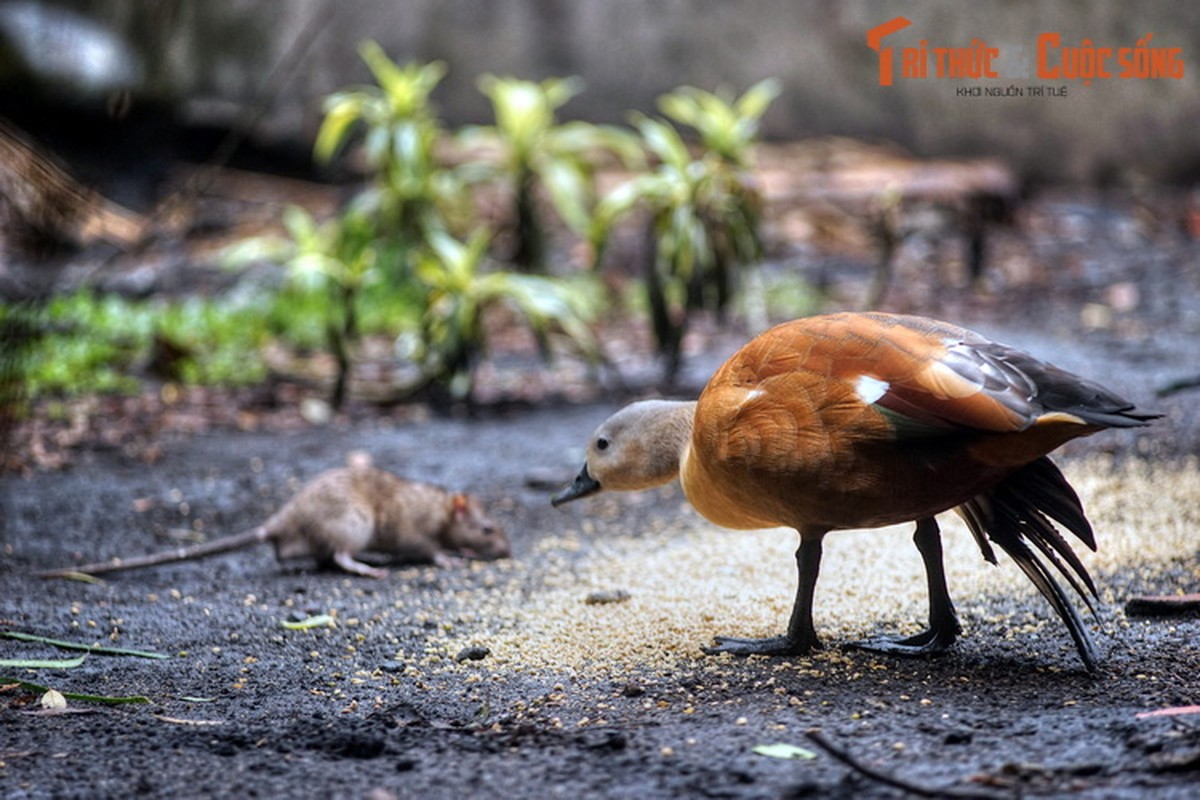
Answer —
488 530
602 443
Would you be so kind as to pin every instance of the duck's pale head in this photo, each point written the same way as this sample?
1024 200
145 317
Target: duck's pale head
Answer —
638 447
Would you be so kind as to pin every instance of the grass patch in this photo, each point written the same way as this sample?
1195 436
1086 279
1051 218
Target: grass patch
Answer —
108 345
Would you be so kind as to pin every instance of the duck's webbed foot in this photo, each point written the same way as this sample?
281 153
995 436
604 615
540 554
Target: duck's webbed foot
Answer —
801 637
943 620
770 646
935 641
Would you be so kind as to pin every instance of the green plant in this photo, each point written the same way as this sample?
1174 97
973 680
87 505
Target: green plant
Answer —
97 344
727 126
535 150
458 291
338 256
380 232
389 110
411 194
704 210
404 227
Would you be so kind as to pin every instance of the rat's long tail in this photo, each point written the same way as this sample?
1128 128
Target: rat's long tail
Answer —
222 545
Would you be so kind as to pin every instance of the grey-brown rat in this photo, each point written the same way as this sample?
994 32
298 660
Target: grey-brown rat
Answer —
351 510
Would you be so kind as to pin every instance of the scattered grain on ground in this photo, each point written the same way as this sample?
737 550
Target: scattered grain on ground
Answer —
688 580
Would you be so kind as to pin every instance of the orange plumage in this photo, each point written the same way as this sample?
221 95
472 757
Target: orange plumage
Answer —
863 420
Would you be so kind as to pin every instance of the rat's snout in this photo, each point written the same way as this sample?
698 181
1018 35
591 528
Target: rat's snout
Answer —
487 541
498 545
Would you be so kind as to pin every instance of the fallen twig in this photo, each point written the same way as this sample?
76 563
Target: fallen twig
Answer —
195 723
1180 385
1175 711
816 738
1167 605
57 712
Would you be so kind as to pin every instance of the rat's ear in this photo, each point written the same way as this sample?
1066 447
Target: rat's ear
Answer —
458 505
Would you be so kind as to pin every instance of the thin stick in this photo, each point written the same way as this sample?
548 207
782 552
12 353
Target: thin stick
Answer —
816 738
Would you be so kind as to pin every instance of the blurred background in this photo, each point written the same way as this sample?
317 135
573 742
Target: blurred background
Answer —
256 210
197 66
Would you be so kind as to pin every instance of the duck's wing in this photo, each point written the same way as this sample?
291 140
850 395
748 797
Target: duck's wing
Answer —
925 377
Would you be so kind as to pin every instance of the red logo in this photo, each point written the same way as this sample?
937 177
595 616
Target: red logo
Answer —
1055 61
875 38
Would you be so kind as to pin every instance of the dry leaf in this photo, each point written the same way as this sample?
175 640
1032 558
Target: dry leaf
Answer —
53 699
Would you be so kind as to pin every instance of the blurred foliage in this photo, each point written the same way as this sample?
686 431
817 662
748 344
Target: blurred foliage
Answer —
408 257
535 150
394 112
108 344
101 344
459 291
704 208
339 258
727 126
411 195
403 230
20 328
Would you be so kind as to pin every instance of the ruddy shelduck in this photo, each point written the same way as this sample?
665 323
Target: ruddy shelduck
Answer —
864 420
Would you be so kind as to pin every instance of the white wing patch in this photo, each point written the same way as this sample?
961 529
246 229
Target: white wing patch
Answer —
870 389
749 396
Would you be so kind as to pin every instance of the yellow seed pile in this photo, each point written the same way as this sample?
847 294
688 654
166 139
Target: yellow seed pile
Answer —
692 580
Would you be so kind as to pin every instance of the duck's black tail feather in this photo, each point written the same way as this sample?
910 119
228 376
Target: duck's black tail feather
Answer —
1017 513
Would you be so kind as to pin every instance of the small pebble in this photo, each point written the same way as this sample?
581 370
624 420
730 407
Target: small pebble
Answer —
606 596
316 411
546 478
474 653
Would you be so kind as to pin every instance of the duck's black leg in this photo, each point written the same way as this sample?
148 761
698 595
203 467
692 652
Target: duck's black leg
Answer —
943 621
801 637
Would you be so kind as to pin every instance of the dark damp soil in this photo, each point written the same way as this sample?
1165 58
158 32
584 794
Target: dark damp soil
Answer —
247 708
368 708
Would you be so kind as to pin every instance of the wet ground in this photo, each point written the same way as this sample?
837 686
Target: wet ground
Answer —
591 681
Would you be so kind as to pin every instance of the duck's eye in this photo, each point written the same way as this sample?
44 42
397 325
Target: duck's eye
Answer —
602 443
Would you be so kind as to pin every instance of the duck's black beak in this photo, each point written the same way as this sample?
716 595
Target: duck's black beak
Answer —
583 485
